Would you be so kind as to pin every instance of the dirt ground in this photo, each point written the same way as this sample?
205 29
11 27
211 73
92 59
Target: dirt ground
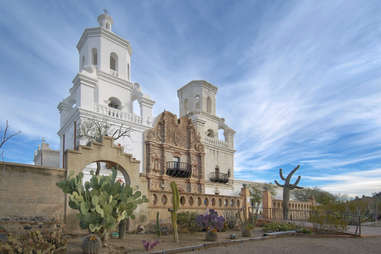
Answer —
133 242
302 245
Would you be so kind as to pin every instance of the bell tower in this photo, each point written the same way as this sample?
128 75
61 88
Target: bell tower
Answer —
197 96
103 91
103 50
197 100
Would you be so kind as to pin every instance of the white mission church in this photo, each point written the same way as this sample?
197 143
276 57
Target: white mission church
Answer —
103 91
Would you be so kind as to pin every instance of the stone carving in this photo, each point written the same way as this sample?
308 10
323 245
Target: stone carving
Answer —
176 132
172 138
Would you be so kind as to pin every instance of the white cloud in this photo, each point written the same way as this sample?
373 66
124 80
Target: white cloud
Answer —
363 182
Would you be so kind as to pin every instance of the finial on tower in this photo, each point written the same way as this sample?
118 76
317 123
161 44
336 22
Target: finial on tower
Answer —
105 20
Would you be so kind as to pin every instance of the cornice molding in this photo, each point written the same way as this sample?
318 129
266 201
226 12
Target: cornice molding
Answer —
101 32
198 83
114 80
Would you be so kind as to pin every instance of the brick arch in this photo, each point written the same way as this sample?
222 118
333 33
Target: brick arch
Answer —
77 160
118 167
106 151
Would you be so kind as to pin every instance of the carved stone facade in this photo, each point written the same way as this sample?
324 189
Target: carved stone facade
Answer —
173 143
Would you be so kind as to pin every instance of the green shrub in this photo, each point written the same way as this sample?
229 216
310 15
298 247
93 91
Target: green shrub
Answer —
33 242
330 217
187 222
278 227
304 231
230 219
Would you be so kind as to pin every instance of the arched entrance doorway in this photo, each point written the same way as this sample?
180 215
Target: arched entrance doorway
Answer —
105 168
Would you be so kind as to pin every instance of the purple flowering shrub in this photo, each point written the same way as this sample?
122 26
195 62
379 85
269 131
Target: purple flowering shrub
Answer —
210 221
150 245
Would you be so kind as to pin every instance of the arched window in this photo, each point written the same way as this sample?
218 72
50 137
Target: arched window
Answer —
115 103
209 105
83 61
197 102
108 26
114 62
94 54
186 106
210 133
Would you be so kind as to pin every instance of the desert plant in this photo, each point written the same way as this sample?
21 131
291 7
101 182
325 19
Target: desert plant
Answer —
245 226
173 211
278 227
148 245
331 217
158 231
211 223
230 218
255 201
91 244
287 186
122 228
33 242
187 222
102 202
210 220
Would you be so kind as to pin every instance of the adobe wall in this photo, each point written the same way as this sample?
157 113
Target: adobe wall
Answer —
28 190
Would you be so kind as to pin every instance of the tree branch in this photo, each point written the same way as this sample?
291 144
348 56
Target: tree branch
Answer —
5 137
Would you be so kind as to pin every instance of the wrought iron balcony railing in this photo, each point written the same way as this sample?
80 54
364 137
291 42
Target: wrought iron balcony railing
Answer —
178 169
219 177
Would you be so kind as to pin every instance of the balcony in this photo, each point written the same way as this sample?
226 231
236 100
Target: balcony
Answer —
118 114
219 177
179 169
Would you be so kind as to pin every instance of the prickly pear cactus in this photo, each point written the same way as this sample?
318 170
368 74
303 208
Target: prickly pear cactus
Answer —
102 203
91 244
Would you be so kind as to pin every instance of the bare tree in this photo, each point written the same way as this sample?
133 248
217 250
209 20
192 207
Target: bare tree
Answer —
5 135
94 130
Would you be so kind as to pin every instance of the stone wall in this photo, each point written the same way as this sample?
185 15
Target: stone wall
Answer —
161 201
273 209
28 190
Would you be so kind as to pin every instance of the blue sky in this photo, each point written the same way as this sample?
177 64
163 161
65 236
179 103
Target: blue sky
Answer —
299 81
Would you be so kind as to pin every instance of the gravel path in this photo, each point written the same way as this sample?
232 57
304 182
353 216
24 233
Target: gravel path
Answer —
302 245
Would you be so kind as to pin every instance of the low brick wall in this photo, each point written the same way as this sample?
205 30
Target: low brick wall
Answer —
28 190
